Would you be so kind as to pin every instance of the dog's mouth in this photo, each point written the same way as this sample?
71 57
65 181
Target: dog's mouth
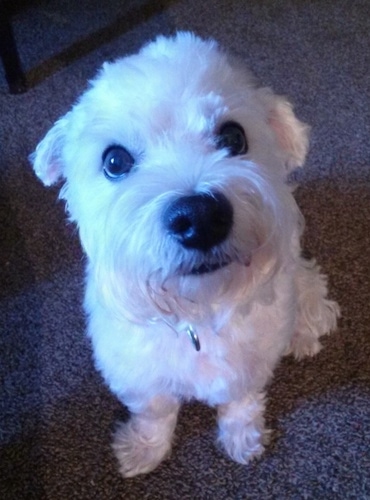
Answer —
211 266
207 267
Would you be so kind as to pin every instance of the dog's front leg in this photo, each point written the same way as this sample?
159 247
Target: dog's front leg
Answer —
241 428
145 440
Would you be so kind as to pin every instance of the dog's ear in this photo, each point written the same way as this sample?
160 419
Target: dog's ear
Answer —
47 159
292 134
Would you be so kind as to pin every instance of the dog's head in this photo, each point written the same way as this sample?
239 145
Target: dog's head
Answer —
175 165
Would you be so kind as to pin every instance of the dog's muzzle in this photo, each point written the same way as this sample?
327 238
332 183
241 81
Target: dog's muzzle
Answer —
200 222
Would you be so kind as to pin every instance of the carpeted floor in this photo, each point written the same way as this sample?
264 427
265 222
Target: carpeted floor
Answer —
56 414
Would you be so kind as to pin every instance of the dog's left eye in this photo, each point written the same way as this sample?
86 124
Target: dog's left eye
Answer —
117 162
231 136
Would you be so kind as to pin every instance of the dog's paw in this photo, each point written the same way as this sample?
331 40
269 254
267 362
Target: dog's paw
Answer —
318 318
244 445
304 345
138 453
241 429
317 315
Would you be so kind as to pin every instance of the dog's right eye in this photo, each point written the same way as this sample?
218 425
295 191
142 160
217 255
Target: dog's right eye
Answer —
117 162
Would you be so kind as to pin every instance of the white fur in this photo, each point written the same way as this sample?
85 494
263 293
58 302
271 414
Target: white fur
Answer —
164 105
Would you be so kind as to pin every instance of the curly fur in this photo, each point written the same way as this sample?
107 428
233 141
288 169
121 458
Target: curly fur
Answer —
164 105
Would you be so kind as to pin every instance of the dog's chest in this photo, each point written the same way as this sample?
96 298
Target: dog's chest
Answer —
229 362
233 359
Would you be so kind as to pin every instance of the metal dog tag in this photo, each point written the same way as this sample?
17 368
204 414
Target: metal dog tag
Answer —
194 337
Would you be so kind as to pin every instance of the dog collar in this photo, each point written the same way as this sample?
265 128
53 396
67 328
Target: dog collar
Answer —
193 337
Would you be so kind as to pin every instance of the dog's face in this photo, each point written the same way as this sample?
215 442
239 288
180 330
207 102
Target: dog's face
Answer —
175 164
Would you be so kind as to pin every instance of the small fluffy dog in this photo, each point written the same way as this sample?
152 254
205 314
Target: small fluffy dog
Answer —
175 168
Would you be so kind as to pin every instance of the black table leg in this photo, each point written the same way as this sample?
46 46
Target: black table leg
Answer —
9 55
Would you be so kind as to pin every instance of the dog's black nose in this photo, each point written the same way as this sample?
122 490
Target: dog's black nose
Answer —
200 221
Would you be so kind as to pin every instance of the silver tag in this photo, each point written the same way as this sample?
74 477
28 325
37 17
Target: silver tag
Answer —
194 337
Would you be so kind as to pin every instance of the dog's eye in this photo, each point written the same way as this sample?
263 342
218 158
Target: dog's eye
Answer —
231 136
117 162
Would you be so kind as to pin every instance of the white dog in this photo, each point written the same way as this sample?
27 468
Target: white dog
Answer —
174 165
